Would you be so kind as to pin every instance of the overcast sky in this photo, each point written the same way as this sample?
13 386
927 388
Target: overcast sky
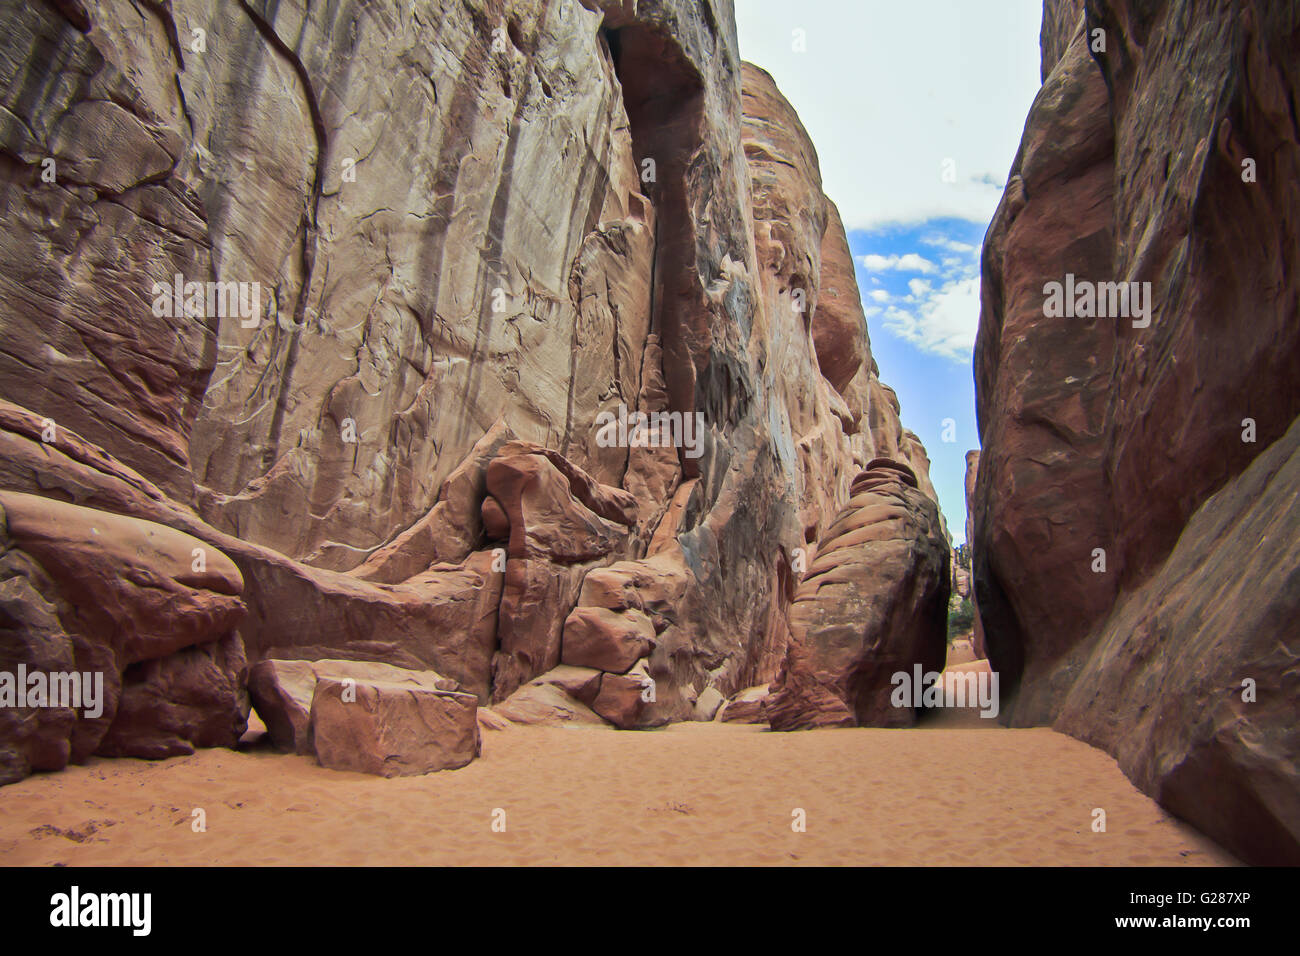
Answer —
889 90
895 95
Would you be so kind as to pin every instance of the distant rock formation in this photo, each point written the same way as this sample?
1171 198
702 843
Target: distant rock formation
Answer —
1133 521
873 604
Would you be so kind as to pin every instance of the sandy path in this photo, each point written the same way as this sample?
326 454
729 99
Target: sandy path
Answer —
950 792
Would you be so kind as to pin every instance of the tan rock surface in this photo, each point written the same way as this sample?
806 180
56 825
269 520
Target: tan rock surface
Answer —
393 730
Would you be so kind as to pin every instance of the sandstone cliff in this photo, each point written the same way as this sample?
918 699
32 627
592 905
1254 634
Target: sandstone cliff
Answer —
1133 521
462 235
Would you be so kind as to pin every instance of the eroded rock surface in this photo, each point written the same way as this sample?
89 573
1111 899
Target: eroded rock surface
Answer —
464 240
1128 526
141 617
391 729
873 604
282 691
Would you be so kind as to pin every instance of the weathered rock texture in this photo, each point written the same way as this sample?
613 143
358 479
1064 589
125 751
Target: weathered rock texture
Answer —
392 730
874 603
282 692
1099 436
473 228
146 613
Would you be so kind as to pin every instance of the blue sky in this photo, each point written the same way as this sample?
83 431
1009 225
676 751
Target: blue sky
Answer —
916 111
920 288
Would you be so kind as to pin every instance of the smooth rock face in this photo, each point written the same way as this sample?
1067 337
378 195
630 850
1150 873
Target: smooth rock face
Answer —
393 730
972 472
1194 688
873 604
1040 505
839 325
1106 438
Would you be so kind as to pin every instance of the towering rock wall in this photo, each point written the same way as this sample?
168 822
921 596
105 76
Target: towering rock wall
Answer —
458 237
1131 461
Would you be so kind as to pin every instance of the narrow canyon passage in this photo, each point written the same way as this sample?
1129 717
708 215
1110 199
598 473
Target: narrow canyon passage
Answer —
542 432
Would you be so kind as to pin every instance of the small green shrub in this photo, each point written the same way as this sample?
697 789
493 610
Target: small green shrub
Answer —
960 619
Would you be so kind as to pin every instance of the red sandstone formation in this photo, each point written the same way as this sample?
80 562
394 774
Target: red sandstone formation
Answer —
394 455
874 603
1169 157
149 611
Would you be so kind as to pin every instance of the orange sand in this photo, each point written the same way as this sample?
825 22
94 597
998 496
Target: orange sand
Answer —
953 791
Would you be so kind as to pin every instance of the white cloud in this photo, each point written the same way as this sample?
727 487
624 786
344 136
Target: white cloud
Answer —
919 287
949 244
879 295
910 262
889 91
942 321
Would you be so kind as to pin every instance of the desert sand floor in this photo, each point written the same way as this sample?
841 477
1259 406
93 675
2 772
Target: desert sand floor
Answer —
952 791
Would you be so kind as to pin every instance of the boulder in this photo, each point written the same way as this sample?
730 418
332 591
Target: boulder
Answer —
581 683
874 603
489 719
708 703
746 707
195 697
457 525
607 640
283 691
546 704
116 598
622 697
546 509
392 729
562 522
